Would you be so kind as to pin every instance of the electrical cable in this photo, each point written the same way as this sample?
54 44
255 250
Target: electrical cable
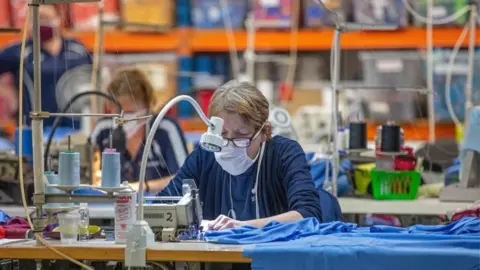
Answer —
426 20
290 78
448 79
96 61
235 62
471 61
56 122
38 236
430 97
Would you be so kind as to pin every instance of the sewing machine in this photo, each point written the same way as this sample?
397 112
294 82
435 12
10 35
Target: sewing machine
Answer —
468 189
9 185
78 143
175 218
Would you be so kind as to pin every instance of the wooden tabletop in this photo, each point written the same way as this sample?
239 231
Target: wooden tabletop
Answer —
101 250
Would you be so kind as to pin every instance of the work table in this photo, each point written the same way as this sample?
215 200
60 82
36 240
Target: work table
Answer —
102 250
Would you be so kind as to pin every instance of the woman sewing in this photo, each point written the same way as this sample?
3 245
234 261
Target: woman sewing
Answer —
58 54
132 89
255 178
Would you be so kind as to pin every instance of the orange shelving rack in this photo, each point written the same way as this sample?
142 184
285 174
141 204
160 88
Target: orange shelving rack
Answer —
274 40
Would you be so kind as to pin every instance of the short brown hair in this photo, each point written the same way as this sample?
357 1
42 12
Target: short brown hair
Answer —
132 81
244 99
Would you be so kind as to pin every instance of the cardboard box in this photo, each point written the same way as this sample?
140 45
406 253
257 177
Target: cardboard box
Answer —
84 16
18 12
4 13
147 12
163 79
304 97
159 67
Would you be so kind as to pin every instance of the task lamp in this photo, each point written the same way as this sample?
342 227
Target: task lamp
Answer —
141 234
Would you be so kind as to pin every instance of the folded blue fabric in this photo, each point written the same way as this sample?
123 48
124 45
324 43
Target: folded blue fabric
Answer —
275 232
372 252
467 225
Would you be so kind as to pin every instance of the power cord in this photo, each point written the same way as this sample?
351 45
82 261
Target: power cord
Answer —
38 236
231 40
56 122
292 67
448 79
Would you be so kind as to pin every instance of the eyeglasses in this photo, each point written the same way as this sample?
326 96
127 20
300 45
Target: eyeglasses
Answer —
239 142
242 142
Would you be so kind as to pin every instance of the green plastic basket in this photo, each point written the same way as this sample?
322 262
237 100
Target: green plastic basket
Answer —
395 185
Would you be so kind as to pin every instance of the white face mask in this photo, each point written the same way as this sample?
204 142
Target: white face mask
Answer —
132 127
235 160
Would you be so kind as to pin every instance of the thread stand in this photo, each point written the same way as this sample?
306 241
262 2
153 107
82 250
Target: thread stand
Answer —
40 198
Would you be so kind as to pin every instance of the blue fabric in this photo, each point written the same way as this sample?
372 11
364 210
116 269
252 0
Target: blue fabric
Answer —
342 246
318 167
3 217
275 231
73 54
370 252
467 225
284 184
168 153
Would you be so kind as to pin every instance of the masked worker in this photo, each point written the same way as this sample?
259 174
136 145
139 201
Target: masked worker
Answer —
132 89
255 178
58 55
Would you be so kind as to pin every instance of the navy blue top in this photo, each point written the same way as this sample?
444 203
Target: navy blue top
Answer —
169 150
73 54
284 183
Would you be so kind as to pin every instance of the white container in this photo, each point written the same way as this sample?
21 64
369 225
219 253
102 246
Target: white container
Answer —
125 213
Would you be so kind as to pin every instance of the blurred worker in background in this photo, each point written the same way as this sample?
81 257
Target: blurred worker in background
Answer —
132 89
58 55
8 106
255 178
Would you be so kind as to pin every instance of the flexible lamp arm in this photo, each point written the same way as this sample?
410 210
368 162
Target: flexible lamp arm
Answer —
56 122
211 141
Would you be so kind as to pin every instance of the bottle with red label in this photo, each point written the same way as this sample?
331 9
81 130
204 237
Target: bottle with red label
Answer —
125 213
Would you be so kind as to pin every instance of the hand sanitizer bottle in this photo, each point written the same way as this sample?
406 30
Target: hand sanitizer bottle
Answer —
83 231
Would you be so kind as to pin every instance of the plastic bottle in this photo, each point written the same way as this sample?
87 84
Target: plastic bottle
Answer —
83 231
125 213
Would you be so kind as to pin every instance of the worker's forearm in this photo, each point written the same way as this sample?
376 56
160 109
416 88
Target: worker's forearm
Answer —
157 185
154 185
285 217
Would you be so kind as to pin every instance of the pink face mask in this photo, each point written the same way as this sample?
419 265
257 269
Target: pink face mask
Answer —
47 31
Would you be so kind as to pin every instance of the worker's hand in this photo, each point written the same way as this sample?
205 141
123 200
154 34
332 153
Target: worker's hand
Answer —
223 222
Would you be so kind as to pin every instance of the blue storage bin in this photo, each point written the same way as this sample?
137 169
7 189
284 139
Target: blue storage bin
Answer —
316 16
204 64
183 13
208 14
458 82
185 85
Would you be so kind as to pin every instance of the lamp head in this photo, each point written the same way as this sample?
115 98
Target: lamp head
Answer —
212 140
